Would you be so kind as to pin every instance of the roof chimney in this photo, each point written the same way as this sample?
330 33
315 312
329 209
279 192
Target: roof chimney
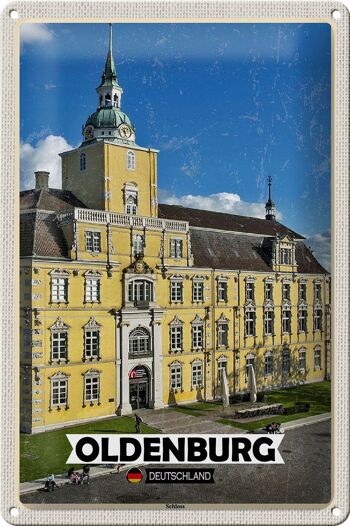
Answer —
41 180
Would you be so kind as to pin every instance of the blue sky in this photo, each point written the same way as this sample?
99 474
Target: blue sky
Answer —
226 105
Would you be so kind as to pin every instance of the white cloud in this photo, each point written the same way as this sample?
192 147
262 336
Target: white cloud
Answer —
42 156
35 33
221 202
320 244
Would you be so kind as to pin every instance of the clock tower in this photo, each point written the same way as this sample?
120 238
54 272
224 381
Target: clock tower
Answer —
109 171
109 121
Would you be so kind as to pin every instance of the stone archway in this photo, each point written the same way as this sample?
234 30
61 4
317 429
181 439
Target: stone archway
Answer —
139 387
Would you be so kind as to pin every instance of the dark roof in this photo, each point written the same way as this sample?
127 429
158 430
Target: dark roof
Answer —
41 235
49 199
220 221
228 250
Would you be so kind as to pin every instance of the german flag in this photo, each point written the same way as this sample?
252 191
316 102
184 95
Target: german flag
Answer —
134 475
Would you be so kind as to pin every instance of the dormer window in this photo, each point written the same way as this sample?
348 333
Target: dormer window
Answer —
286 256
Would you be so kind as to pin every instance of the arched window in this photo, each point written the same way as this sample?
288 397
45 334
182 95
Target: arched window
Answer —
222 366
115 100
302 360
82 162
130 160
140 291
139 343
131 205
101 99
108 99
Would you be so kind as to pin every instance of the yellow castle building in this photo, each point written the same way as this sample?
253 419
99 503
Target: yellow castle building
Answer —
127 303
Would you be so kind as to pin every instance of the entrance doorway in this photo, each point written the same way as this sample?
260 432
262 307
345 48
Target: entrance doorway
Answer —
139 388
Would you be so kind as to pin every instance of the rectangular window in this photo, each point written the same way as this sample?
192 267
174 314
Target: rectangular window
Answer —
197 291
176 377
268 291
268 322
317 291
317 319
140 291
317 359
286 321
59 289
59 392
176 248
197 374
286 256
302 360
92 344
93 241
92 388
268 364
249 291
138 244
59 345
285 291
176 338
176 291
250 323
302 291
92 289
197 336
222 290
223 335
302 320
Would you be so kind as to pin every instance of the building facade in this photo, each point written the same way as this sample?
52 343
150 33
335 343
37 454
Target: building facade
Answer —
127 303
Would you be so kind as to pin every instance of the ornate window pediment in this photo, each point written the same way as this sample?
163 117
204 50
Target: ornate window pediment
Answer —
92 372
59 325
92 324
222 319
197 320
176 277
59 272
59 375
92 274
176 322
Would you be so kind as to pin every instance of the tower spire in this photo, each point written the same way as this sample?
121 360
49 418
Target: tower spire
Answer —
270 205
110 71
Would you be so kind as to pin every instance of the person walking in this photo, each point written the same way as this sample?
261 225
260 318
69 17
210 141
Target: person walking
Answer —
138 422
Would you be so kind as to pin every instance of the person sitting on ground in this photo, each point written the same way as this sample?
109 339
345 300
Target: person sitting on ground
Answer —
73 476
85 474
50 483
269 428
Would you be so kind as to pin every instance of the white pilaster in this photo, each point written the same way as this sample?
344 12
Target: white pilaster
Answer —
157 397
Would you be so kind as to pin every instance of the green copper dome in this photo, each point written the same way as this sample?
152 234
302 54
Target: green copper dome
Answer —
108 118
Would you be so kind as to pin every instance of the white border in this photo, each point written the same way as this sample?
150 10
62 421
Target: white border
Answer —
165 10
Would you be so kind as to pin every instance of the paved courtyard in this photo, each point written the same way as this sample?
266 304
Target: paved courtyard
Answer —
304 478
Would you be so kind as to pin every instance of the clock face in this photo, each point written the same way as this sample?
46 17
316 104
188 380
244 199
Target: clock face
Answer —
125 131
88 133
